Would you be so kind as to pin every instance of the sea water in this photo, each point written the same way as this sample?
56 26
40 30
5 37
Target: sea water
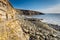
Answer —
49 18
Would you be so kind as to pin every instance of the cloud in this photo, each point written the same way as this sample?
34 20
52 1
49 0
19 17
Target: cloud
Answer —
52 9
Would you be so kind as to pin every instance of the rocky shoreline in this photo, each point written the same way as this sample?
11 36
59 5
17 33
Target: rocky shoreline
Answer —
14 26
56 27
33 20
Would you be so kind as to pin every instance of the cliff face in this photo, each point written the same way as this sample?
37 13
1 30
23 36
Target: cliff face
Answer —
13 27
6 10
28 12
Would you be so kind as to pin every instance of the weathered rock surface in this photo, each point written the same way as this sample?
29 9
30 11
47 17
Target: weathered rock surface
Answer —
56 27
7 12
28 12
15 27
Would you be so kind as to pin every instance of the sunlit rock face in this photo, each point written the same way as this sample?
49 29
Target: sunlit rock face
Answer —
3 10
7 12
10 28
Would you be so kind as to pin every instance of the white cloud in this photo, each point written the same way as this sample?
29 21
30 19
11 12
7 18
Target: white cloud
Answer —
52 9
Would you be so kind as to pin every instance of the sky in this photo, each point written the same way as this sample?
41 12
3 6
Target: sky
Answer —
45 6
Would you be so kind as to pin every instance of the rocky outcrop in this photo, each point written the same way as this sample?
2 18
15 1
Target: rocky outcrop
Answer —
56 27
6 10
33 19
15 27
28 12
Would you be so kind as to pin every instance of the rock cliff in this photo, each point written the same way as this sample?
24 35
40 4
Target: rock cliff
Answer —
15 27
6 10
28 12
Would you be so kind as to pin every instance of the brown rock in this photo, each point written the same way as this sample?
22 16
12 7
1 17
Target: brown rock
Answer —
28 12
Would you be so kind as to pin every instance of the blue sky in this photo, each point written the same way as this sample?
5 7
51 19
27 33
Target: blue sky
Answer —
45 6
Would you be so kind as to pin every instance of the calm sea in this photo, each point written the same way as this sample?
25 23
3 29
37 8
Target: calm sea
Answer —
49 18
